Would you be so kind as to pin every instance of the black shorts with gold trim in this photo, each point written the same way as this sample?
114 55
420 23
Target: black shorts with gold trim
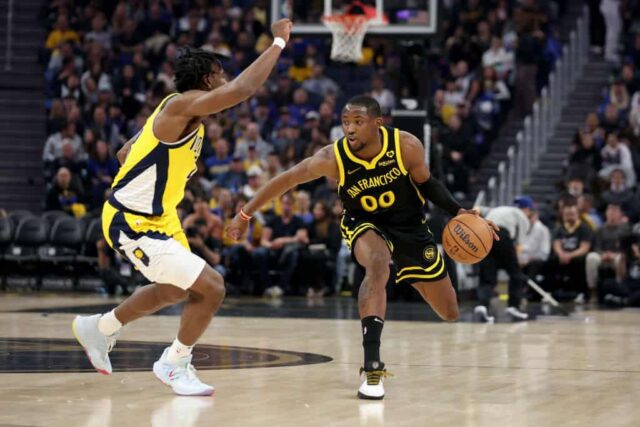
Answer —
412 247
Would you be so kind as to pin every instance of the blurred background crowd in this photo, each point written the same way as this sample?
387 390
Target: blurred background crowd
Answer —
108 64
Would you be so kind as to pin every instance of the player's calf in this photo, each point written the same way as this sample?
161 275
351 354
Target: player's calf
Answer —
170 294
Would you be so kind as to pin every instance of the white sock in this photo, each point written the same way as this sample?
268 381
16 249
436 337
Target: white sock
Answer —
109 323
178 351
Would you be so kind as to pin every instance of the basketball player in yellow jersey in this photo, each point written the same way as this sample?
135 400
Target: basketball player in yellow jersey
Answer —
383 183
140 220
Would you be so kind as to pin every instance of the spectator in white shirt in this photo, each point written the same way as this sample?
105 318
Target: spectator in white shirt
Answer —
498 58
616 155
514 225
254 181
385 97
215 44
535 248
53 146
634 114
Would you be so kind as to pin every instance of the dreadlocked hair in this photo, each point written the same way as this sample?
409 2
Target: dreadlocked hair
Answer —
191 66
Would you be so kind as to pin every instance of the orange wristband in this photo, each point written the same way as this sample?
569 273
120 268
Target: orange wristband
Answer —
244 216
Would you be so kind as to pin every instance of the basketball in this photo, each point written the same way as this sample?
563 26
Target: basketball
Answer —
467 239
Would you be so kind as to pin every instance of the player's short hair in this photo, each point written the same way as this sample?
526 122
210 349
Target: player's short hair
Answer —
191 66
372 106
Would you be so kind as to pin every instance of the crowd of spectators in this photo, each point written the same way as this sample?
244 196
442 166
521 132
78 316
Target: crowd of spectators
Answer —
109 64
495 56
598 236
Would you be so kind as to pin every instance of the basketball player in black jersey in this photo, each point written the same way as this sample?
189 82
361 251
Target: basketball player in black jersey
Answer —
383 184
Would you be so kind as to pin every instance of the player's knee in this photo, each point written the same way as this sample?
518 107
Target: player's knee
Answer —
215 290
378 269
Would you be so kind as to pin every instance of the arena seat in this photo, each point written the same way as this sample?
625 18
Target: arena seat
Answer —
17 216
52 216
6 234
22 255
87 259
64 243
58 255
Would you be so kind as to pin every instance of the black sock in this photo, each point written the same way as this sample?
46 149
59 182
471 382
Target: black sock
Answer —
371 331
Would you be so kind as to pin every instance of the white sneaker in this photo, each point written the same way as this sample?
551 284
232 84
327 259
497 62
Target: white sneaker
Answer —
372 387
516 314
181 377
579 299
273 292
96 345
614 300
481 314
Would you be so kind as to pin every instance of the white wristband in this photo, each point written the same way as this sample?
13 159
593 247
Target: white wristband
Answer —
279 41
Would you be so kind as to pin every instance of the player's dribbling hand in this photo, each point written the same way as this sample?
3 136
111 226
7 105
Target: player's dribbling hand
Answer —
492 225
237 228
282 28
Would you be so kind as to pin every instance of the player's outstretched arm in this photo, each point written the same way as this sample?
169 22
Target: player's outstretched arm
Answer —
323 163
412 153
202 103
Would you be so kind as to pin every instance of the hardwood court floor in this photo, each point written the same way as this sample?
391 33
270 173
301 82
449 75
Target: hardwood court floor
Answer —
545 373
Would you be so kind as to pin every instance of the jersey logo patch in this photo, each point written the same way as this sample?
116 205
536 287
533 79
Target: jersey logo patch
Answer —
430 253
352 171
390 153
387 162
139 253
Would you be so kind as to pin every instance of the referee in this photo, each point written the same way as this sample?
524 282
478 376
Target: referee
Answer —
514 223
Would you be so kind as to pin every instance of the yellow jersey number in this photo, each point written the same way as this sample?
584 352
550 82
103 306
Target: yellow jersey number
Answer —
384 201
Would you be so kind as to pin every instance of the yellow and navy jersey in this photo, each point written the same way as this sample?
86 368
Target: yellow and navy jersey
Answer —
152 180
379 190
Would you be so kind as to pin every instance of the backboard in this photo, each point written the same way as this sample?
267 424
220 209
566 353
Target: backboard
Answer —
401 17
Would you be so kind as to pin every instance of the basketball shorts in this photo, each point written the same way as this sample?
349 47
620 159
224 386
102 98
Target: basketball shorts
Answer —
412 247
156 246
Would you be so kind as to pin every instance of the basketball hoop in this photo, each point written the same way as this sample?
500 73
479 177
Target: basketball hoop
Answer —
348 34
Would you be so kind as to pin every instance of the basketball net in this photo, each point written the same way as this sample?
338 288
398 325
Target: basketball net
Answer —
348 35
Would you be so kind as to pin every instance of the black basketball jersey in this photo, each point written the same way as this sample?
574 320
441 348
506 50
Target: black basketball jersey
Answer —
380 190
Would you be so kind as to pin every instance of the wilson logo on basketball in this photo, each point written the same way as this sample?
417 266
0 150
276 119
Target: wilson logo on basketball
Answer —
464 237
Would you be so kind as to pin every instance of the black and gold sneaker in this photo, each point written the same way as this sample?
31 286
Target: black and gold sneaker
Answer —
372 375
